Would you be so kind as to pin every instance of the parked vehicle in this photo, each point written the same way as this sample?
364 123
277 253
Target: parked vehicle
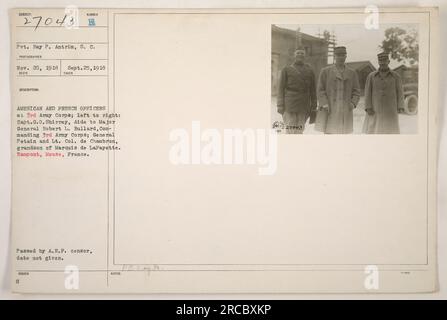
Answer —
409 77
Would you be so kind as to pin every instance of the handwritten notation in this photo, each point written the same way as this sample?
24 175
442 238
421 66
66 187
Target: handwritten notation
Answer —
42 21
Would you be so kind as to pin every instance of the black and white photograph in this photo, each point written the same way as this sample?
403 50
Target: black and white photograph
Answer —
153 152
344 79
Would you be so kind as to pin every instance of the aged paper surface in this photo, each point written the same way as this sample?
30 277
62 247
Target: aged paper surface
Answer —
128 175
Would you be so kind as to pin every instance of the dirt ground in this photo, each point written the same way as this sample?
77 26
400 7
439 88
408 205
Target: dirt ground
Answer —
408 124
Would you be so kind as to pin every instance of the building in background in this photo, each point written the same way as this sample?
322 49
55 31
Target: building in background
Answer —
408 74
363 69
284 42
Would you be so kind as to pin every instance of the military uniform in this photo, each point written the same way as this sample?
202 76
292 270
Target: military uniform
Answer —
340 91
384 96
297 99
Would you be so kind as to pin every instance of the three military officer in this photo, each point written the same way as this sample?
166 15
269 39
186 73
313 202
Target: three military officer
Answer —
338 93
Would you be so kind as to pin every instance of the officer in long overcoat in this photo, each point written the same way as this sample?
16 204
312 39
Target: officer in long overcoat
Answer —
339 92
384 99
